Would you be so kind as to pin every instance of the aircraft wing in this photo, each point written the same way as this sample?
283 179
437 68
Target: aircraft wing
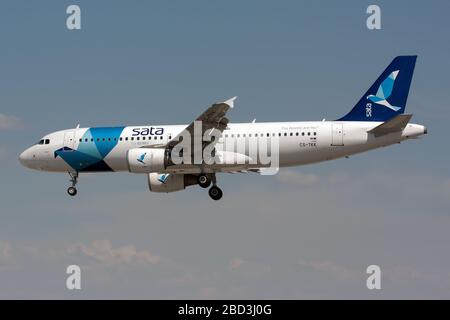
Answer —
212 118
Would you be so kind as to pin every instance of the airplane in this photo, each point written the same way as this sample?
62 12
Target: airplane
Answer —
377 120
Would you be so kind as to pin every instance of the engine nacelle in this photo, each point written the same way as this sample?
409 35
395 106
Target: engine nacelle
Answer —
166 182
146 160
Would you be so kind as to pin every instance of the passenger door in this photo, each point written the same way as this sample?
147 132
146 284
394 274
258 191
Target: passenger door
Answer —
69 139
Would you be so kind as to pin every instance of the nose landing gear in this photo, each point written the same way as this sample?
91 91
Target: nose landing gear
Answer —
72 191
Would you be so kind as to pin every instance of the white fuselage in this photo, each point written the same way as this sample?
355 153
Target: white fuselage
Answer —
299 143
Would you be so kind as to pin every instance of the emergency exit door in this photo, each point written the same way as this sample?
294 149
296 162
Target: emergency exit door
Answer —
337 134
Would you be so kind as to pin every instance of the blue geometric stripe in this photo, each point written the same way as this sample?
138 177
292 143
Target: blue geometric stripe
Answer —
89 147
106 138
90 155
76 159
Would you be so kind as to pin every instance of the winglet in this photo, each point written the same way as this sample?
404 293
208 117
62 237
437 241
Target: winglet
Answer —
230 102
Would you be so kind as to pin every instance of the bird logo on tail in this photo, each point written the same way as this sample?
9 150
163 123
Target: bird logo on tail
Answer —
384 92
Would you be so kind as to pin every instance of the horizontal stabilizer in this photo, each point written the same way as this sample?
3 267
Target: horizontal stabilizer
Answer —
397 123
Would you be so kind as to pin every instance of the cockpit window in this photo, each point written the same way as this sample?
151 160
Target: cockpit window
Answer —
44 141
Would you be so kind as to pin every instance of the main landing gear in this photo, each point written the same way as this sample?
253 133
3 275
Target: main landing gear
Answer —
72 191
215 193
205 181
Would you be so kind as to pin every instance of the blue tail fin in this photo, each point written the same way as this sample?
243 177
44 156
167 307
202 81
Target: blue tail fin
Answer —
387 97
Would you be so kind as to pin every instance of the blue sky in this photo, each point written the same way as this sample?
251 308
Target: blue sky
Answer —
309 232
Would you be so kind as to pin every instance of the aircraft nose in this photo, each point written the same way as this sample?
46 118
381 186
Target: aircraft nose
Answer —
25 158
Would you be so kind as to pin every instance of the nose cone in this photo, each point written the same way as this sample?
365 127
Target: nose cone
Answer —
25 158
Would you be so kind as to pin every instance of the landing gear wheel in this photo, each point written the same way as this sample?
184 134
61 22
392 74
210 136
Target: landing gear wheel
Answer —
72 191
203 181
215 193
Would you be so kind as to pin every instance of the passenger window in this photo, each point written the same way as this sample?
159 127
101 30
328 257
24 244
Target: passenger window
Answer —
80 140
161 137
268 134
309 133
296 133
126 138
291 134
132 138
315 133
279 134
285 134
303 133
137 138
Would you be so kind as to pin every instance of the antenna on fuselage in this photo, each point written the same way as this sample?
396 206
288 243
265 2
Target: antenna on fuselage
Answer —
78 126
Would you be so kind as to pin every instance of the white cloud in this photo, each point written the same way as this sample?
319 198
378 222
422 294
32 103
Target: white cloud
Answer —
297 178
10 122
3 153
402 273
331 268
104 253
248 268
236 263
6 256
5 250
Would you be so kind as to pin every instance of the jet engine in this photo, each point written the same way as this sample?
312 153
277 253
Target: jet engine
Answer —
170 182
147 160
